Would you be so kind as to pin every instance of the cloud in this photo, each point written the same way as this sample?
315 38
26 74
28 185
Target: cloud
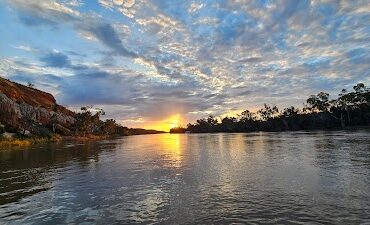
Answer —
150 59
56 59
105 33
359 56
39 12
194 7
24 48
123 6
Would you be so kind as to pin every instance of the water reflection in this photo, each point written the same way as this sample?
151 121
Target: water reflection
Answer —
300 177
172 149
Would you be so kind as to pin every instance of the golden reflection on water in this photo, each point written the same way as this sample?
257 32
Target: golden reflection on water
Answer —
170 151
175 178
170 148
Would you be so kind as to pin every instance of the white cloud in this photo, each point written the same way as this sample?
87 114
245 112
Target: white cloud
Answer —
210 58
24 48
194 7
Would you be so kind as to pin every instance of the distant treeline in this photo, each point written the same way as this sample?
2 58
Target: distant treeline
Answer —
88 122
320 112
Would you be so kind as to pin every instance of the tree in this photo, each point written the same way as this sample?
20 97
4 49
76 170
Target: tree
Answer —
320 102
362 94
208 124
268 112
290 112
247 116
352 108
109 127
228 124
88 122
31 85
212 121
345 103
350 101
178 130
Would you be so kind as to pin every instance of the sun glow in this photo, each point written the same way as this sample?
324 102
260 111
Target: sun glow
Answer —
166 124
174 121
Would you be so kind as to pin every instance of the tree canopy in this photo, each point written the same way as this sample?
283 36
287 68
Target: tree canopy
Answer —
351 108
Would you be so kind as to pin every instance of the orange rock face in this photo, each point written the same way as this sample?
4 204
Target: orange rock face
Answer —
31 96
24 108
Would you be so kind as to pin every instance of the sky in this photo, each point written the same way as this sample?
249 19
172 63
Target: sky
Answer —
160 63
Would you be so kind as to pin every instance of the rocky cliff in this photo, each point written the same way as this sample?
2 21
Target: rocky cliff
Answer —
28 110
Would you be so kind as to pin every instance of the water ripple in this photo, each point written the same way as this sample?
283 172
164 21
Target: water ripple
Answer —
258 178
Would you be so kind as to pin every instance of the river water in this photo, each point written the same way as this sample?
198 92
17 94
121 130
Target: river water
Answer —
256 178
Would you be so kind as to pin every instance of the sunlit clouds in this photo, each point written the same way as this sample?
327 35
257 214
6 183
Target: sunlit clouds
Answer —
157 64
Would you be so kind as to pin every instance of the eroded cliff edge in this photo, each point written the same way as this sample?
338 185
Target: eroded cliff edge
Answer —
30 111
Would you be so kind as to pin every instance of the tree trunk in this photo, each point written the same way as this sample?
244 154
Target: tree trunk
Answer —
342 123
286 125
348 117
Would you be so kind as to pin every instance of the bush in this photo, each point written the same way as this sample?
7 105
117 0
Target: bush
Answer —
41 131
2 129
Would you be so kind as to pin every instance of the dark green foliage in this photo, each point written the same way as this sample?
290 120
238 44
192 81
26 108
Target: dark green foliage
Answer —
268 112
248 116
290 112
321 112
319 102
204 125
2 129
109 127
176 130
88 122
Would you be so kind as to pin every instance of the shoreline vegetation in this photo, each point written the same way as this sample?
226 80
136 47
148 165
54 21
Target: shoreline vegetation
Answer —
19 141
350 110
87 127
24 141
30 116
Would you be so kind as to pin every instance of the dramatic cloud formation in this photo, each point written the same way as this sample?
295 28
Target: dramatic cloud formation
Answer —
145 61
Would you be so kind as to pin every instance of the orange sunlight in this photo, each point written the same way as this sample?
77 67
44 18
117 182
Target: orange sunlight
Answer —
166 124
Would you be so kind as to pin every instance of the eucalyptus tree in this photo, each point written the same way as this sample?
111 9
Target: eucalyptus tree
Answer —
268 112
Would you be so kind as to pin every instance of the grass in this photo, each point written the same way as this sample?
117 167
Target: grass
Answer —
19 142
89 137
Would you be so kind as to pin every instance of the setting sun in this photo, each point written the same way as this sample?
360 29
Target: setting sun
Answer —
174 121
166 124
184 112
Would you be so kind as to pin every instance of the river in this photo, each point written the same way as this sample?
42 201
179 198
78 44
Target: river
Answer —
320 177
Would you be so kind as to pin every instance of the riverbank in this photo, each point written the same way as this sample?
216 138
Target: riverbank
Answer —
350 128
8 143
16 142
19 142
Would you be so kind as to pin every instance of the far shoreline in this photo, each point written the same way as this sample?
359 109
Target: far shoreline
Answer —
367 127
17 143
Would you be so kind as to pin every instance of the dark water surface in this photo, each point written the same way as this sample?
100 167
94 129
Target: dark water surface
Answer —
259 178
